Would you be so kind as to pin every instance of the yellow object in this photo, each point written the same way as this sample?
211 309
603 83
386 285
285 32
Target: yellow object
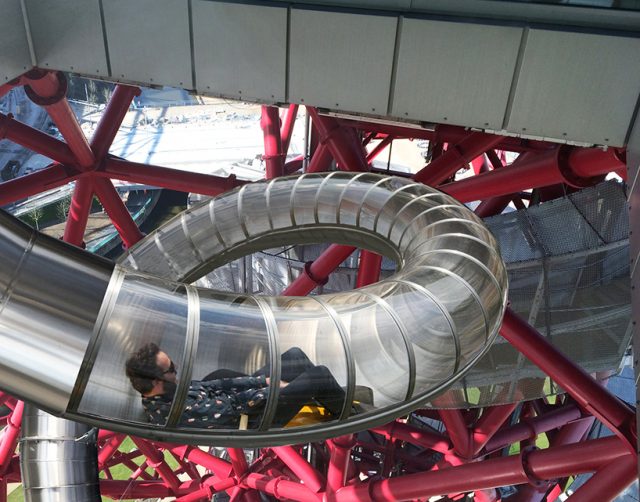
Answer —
309 415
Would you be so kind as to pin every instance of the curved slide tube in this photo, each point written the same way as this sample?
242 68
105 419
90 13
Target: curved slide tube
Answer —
69 319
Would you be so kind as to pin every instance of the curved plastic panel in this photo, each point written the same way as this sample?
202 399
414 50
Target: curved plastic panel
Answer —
382 350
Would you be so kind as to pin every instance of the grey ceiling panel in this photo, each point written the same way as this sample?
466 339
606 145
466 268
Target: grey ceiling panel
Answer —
341 60
577 86
67 35
14 56
364 4
455 73
240 50
149 41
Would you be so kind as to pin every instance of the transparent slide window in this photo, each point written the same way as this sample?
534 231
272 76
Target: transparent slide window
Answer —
146 311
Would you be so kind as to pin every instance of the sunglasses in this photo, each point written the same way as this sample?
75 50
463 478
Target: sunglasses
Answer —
172 369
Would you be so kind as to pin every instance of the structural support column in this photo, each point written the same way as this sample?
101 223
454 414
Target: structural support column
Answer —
317 272
273 154
588 393
456 157
340 144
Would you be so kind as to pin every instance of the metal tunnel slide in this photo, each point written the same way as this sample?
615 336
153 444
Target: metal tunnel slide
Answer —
70 319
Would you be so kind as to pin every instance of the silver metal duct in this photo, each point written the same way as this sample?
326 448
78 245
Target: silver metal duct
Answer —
58 459
407 337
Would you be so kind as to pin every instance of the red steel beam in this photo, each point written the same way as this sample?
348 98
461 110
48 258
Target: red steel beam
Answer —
609 481
287 127
40 181
368 268
317 272
9 438
311 478
339 142
379 148
112 118
117 211
572 165
79 212
457 429
273 153
492 473
586 391
490 421
530 428
184 181
338 463
320 160
48 90
34 140
456 157
280 488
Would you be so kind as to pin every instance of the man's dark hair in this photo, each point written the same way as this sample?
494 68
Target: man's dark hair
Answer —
142 368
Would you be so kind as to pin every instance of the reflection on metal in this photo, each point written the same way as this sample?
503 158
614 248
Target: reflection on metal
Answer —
447 328
46 441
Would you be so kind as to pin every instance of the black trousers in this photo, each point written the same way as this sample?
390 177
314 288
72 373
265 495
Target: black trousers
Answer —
306 383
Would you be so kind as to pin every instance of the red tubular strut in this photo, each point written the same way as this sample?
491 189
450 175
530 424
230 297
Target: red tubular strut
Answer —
609 481
273 153
165 177
339 142
35 140
368 268
79 212
456 157
321 160
571 165
40 181
492 473
287 127
317 272
112 118
580 385
529 428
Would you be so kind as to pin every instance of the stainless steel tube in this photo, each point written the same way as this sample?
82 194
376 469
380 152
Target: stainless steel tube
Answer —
58 459
406 338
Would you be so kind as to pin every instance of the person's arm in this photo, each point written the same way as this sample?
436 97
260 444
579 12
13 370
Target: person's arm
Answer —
238 384
206 410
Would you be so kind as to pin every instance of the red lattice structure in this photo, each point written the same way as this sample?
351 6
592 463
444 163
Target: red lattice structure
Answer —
399 461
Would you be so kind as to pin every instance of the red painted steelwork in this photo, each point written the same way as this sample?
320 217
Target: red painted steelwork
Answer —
457 429
316 273
338 463
35 140
40 181
112 118
118 213
286 132
79 212
609 481
47 85
368 268
9 438
456 157
273 153
321 160
415 435
280 488
488 424
537 170
529 428
379 148
340 143
580 385
312 479
492 473
165 177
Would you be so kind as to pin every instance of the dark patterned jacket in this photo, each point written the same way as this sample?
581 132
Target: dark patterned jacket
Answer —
213 403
